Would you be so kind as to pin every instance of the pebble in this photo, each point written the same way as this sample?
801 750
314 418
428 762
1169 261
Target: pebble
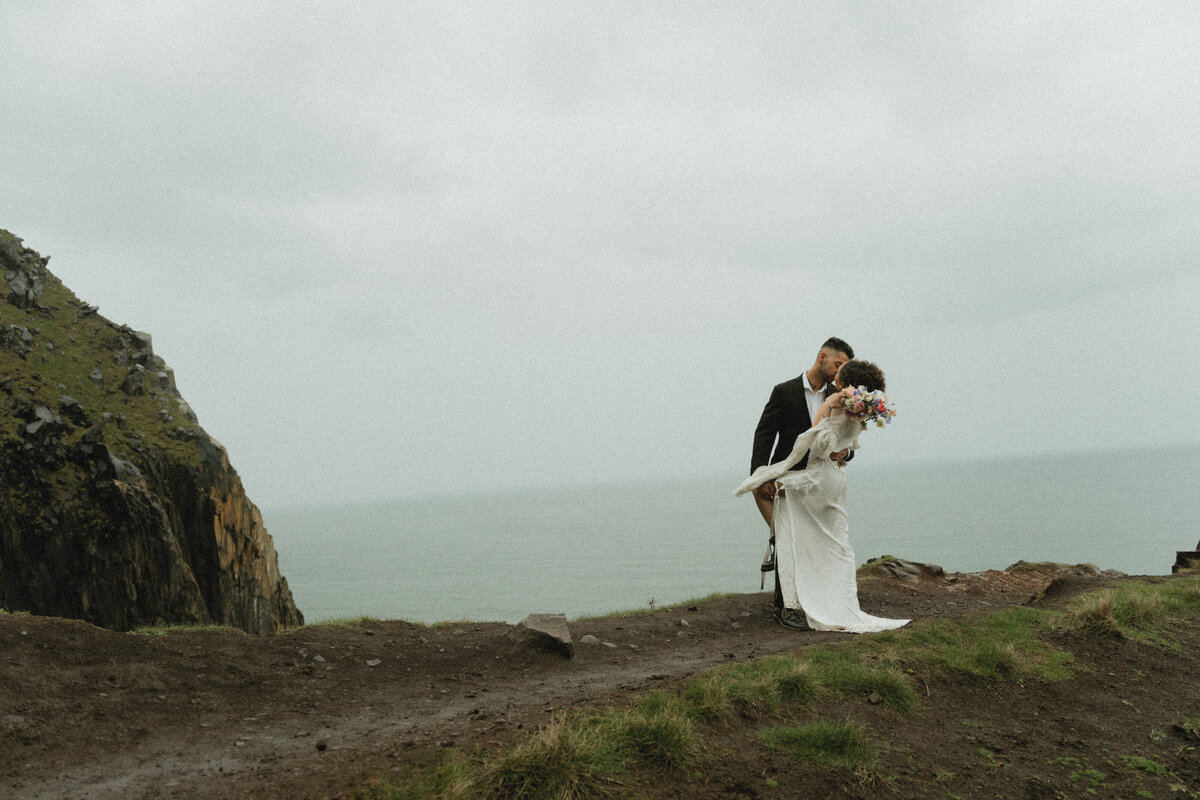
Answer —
589 639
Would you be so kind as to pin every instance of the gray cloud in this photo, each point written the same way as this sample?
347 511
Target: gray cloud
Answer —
383 244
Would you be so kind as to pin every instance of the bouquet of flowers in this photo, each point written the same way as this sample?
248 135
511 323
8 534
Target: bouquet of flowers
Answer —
866 406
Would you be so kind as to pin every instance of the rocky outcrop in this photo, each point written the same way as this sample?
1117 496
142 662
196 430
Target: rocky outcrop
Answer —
115 506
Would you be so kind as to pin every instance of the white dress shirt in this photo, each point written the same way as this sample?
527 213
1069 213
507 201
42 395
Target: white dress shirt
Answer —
815 397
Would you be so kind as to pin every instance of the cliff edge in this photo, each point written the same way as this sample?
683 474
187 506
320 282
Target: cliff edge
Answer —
115 506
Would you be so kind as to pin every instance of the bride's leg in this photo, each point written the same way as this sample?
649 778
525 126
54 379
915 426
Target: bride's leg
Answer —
765 507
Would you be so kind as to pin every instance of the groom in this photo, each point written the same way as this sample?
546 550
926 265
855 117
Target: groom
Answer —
789 413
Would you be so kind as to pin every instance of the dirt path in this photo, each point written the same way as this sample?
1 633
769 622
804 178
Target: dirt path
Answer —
89 713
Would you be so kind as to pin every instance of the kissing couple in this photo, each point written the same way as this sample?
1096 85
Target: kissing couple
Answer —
808 432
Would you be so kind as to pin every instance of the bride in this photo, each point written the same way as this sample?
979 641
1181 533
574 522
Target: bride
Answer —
812 543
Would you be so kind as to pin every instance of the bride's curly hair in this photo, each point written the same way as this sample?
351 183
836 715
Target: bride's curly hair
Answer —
863 373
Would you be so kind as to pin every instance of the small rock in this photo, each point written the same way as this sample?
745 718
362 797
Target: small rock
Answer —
874 698
374 662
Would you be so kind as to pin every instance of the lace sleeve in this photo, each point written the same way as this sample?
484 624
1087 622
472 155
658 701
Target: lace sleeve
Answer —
812 439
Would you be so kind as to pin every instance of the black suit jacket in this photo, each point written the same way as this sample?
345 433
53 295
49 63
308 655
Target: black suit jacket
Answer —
784 417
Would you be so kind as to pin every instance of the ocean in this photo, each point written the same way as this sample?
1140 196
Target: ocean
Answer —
583 551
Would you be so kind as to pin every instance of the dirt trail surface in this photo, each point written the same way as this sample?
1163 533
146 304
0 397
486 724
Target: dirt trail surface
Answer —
318 711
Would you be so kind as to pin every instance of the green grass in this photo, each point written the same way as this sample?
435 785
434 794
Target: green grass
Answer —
81 346
1144 764
453 778
1137 610
578 756
658 734
562 761
1006 645
1032 565
750 689
345 622
163 630
849 671
829 744
614 750
1189 728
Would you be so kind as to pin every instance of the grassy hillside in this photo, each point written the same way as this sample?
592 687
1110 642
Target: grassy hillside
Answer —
75 352
1099 699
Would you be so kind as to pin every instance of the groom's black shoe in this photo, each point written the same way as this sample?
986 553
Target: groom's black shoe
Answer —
791 620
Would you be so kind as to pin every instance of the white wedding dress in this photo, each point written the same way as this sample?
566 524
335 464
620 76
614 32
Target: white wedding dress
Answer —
812 537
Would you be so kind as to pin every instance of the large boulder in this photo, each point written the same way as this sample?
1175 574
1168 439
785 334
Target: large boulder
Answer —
115 506
546 633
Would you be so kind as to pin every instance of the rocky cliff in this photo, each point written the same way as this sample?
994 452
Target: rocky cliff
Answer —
115 506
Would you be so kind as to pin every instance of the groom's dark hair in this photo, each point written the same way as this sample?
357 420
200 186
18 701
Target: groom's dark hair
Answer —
834 343
863 373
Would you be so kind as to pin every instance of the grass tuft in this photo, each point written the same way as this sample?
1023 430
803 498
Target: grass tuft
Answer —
830 744
1144 764
561 762
847 670
453 778
1136 610
750 689
1005 645
658 734
349 622
163 630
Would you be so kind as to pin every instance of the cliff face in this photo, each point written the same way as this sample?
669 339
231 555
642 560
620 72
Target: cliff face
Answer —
115 506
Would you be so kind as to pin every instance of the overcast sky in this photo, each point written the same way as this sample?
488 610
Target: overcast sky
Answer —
398 248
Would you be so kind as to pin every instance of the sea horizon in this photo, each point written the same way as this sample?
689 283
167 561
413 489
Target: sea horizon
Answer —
901 462
587 550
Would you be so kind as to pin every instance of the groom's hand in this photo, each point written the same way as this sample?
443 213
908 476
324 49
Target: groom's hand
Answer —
840 455
766 491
